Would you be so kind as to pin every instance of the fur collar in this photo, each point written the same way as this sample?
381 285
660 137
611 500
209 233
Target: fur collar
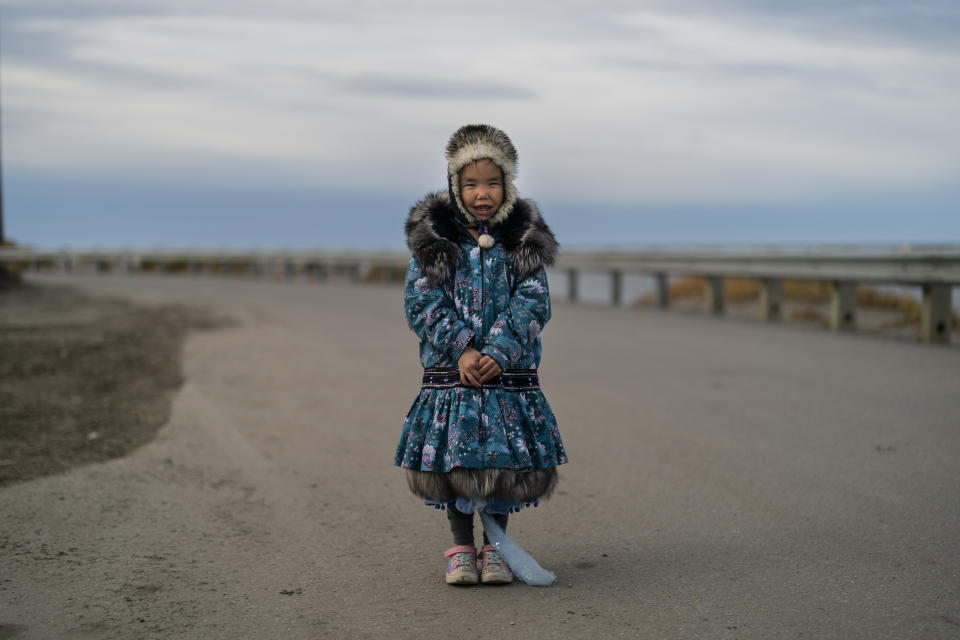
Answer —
433 235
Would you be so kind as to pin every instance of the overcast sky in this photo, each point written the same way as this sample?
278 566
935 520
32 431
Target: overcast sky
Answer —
296 123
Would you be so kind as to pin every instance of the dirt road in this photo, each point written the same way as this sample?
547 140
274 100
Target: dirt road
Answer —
727 480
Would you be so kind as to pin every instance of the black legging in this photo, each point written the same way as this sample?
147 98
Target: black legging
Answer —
461 524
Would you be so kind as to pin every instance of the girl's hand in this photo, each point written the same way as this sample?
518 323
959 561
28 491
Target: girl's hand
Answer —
488 369
468 363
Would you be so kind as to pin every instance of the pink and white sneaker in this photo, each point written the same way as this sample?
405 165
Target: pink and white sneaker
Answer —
462 564
493 568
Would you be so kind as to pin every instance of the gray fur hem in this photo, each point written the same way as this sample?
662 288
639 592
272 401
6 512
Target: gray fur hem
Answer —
503 484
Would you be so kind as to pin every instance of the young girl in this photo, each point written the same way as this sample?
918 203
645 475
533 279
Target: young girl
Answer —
480 436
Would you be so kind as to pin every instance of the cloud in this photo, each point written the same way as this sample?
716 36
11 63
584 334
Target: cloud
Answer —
660 104
433 88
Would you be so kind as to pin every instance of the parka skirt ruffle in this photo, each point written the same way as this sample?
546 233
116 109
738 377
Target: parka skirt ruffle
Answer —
480 443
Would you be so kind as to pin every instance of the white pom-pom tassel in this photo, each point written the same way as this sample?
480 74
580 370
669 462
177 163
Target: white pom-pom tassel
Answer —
486 241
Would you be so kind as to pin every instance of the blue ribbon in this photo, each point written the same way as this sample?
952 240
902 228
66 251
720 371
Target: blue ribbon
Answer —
520 562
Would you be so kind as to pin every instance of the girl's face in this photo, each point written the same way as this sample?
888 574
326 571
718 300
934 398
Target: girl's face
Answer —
481 188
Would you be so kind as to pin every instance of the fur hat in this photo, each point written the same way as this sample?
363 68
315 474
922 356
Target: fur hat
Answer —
475 142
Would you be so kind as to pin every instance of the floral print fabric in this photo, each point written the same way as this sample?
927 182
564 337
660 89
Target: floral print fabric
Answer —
487 307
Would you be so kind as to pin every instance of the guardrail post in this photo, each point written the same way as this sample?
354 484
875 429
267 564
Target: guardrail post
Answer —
771 299
936 321
572 293
843 306
663 290
616 288
715 303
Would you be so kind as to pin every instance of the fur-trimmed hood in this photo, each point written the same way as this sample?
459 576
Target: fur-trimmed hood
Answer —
478 142
434 232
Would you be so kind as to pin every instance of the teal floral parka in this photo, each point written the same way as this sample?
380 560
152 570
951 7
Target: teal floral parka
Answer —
497 300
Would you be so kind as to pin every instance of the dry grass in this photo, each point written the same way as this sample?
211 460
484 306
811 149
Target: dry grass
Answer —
746 290
380 273
740 290
807 291
809 314
177 266
908 307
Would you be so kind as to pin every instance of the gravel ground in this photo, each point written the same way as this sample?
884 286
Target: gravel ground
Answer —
728 479
83 378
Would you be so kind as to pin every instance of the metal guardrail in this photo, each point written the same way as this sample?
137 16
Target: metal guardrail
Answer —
899 267
936 272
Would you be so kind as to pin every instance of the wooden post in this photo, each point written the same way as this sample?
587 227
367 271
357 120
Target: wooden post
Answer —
572 293
616 288
843 306
936 321
715 303
771 299
663 290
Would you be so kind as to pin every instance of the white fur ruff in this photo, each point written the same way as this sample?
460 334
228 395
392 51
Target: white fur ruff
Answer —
480 151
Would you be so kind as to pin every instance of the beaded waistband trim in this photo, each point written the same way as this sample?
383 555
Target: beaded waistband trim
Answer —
510 380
